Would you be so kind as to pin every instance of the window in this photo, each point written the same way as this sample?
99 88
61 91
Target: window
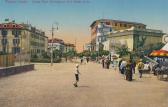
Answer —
115 24
4 49
16 42
16 33
4 33
15 50
4 41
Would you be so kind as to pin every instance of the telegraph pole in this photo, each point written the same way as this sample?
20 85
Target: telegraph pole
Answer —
75 49
52 45
52 42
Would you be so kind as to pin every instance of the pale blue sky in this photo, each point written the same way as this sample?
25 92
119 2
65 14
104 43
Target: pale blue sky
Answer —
74 18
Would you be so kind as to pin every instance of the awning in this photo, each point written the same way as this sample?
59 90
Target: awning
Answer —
159 53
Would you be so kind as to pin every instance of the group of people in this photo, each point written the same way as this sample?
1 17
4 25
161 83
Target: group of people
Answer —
127 68
82 59
106 62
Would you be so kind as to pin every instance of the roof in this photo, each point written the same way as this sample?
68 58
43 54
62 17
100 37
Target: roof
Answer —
69 44
56 40
10 25
104 20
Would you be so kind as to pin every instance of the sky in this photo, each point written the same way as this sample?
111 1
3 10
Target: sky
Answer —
74 18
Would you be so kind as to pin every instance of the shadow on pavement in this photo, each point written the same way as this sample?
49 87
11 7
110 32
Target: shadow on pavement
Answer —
83 86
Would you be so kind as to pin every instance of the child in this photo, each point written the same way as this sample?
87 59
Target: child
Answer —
77 75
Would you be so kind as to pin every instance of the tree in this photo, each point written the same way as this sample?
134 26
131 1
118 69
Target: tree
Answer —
104 52
45 55
57 54
70 53
34 56
123 51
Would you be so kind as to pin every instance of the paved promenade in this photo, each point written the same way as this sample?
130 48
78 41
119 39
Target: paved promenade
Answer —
52 87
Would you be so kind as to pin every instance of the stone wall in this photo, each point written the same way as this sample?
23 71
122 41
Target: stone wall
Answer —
15 70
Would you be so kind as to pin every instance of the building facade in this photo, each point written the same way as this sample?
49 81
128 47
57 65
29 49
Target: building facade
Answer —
58 44
69 47
101 28
37 40
87 47
22 38
134 39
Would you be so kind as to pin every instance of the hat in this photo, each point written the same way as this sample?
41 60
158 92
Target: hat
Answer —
77 65
140 60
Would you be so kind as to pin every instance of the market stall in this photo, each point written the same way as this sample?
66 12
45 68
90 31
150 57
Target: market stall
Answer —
161 56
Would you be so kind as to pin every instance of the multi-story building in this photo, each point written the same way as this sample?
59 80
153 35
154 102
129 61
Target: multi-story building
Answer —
22 38
100 29
38 41
87 47
134 39
58 44
69 47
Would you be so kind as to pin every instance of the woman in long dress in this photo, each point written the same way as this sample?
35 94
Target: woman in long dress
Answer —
129 70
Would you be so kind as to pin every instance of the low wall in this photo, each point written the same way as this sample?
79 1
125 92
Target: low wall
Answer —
15 70
7 60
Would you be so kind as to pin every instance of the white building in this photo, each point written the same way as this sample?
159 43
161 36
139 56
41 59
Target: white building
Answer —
87 47
58 44
102 31
106 45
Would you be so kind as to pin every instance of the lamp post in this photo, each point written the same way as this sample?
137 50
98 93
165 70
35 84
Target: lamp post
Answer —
52 30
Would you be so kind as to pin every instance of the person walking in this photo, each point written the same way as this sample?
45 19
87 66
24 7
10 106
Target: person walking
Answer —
119 64
133 63
108 63
140 68
76 75
129 71
103 62
123 66
87 59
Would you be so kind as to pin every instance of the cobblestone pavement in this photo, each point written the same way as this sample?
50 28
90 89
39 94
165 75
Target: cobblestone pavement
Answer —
52 87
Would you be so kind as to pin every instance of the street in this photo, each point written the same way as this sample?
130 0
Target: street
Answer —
53 87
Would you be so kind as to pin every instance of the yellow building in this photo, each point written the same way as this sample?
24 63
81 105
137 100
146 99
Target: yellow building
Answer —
69 47
135 38
114 24
22 39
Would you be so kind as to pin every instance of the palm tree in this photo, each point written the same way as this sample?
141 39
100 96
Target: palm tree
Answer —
123 51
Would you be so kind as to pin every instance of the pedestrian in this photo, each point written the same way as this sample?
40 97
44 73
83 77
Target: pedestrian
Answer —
123 66
119 64
147 68
76 75
81 59
108 63
140 68
103 62
133 65
129 70
87 59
